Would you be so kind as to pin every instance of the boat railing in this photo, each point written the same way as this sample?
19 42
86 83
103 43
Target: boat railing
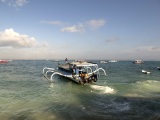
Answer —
90 69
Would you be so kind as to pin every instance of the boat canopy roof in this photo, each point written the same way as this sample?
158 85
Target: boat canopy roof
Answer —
138 60
83 64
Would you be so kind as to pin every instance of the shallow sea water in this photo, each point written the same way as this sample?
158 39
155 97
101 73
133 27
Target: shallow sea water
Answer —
124 94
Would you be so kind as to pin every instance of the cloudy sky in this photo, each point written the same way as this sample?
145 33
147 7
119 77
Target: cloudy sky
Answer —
80 29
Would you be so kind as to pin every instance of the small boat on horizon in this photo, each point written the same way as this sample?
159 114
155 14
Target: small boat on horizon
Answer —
113 61
146 72
138 62
3 61
78 71
103 61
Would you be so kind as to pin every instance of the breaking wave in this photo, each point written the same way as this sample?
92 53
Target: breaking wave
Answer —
148 81
145 89
103 89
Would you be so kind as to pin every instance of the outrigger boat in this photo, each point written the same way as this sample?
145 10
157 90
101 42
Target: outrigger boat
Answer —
78 71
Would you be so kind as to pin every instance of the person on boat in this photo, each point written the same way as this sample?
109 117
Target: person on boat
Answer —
66 60
80 70
86 77
74 69
82 76
77 71
94 77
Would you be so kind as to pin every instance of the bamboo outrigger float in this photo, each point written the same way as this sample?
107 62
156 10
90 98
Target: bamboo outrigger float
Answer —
78 71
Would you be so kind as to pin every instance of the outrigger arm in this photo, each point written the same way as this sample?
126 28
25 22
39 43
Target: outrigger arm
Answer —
53 72
97 70
49 70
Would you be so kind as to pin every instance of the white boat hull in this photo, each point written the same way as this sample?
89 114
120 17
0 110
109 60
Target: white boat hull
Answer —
146 72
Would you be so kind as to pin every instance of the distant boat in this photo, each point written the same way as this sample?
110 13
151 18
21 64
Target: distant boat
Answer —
138 62
112 61
146 72
103 61
158 68
3 61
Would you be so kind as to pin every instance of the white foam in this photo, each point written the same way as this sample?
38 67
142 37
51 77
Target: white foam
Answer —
145 89
104 89
147 81
152 81
122 106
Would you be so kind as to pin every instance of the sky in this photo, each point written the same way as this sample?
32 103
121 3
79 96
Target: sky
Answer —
80 29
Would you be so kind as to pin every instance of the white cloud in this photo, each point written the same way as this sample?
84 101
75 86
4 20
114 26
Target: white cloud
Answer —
6 48
148 48
15 3
53 22
24 46
142 52
10 38
112 39
80 27
20 2
94 24
73 29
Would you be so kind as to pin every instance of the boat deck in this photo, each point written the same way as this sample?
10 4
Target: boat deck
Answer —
64 67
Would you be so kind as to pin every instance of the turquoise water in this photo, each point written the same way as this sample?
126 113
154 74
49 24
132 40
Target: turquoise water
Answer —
124 94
